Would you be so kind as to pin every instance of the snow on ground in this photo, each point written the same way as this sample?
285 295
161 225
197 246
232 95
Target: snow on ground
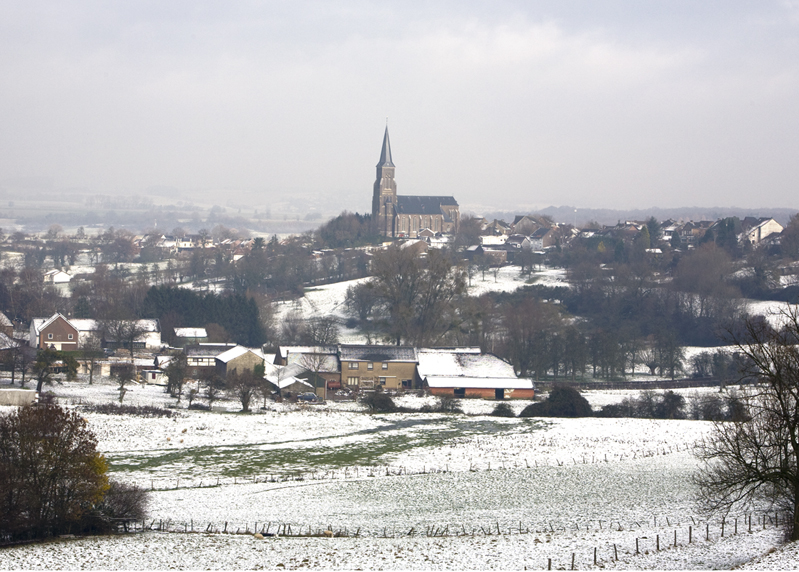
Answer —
423 491
510 278
329 300
771 309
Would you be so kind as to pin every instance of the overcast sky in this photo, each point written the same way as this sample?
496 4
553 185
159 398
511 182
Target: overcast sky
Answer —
502 104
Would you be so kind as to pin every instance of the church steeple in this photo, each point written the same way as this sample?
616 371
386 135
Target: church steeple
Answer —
384 198
385 154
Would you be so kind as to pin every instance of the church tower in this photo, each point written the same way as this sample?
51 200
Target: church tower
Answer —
384 199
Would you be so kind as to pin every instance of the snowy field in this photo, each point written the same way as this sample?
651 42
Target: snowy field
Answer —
420 491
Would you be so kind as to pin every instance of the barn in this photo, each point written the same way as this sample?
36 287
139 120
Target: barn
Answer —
467 372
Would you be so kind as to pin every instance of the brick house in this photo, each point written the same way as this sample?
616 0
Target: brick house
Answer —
55 332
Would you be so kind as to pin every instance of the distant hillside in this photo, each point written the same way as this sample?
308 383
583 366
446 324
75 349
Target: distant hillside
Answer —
566 214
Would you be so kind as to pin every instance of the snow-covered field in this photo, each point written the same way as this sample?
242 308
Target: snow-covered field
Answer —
421 491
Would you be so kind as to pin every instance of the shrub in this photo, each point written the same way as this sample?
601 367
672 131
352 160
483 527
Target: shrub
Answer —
503 410
378 402
134 410
122 504
443 404
563 401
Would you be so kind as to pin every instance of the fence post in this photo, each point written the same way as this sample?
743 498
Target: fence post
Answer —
572 560
690 535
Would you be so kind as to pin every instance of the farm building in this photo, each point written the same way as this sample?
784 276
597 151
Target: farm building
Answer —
466 372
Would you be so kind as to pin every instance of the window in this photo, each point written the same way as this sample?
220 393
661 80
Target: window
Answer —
49 336
370 366
385 365
353 365
69 336
382 381
352 381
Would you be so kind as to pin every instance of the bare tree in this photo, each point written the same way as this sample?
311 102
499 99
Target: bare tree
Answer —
90 353
122 332
756 460
243 385
419 294
316 363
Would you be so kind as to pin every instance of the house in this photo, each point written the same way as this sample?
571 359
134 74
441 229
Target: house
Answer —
321 360
238 359
519 242
466 372
187 336
758 229
55 332
204 355
56 276
370 366
498 228
524 224
289 379
543 238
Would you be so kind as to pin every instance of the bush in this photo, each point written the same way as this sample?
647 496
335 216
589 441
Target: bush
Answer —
134 410
378 402
122 504
443 404
503 410
563 401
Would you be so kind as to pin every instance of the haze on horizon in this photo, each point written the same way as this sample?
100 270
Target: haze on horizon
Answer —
618 104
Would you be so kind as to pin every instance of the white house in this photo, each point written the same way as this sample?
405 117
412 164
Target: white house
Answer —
56 276
765 227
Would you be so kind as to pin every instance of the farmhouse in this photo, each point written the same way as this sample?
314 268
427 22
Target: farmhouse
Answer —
367 367
465 372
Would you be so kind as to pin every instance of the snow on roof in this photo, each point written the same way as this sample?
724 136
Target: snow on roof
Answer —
191 333
310 360
4 321
479 382
238 351
7 343
40 323
455 363
207 349
286 350
377 353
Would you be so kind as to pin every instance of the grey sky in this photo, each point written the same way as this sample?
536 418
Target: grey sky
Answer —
502 104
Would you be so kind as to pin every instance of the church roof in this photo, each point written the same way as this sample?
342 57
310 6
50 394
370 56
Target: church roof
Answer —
385 153
410 204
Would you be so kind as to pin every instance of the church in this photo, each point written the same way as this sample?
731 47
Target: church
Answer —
406 216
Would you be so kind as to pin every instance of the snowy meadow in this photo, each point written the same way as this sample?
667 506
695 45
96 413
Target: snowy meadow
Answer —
403 491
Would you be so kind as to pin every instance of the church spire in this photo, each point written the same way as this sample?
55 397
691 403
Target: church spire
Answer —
385 154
